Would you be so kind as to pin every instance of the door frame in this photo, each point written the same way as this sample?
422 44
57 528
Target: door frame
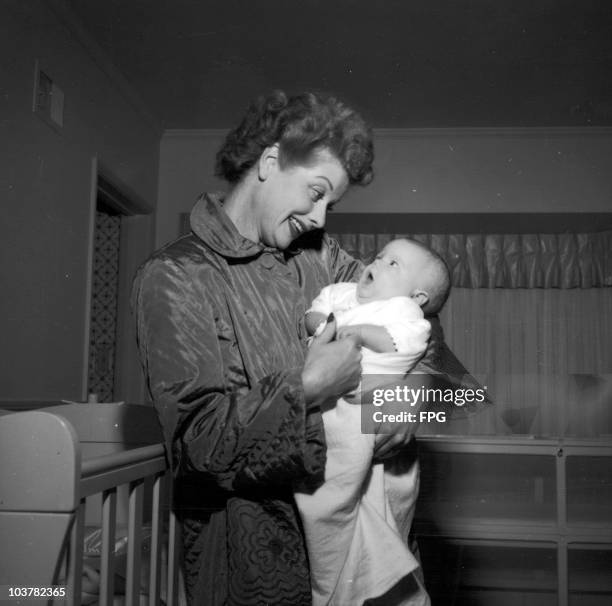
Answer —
137 238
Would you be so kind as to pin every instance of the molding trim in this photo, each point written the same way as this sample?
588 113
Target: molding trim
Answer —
119 195
194 133
494 131
119 198
71 21
91 234
411 133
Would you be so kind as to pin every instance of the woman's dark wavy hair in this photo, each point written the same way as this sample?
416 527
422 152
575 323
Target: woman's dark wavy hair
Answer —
300 124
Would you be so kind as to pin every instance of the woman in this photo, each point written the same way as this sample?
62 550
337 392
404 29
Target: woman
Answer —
222 339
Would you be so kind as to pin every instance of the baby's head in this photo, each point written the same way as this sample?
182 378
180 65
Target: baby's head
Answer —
406 268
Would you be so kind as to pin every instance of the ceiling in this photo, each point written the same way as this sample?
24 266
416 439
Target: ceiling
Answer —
403 63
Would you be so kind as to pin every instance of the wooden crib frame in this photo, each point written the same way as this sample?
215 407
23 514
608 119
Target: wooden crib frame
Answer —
54 461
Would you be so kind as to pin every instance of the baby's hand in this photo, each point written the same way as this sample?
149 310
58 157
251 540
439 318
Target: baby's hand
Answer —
374 337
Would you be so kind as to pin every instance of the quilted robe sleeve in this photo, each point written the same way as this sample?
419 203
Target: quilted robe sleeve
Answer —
235 436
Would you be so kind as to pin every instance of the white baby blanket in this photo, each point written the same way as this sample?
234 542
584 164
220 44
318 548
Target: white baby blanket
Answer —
357 523
358 548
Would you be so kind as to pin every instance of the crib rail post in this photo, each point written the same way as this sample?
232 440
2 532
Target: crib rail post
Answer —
74 581
107 564
173 559
156 541
132 589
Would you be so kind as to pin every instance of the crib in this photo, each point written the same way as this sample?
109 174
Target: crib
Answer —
85 515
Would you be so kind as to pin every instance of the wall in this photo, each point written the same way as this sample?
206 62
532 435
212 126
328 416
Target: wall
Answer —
46 196
186 167
432 171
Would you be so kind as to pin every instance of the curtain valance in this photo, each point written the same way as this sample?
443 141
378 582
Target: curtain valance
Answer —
564 260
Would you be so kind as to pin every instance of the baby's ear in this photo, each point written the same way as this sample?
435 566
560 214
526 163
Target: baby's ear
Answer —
421 297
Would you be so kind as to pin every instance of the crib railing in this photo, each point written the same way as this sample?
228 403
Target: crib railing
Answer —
51 471
104 475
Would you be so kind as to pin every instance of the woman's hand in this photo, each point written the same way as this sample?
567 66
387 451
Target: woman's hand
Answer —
332 368
390 444
392 438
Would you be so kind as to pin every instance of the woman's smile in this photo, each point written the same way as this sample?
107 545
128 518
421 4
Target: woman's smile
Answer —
296 226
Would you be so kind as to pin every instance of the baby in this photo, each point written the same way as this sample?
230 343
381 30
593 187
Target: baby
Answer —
357 522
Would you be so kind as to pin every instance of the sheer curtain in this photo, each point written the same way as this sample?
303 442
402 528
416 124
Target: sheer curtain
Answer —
544 354
530 315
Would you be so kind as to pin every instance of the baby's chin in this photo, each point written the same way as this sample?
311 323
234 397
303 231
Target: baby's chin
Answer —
359 292
363 296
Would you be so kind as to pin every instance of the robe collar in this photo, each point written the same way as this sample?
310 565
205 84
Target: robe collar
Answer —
211 224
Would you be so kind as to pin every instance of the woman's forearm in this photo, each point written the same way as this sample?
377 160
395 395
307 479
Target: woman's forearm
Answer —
263 437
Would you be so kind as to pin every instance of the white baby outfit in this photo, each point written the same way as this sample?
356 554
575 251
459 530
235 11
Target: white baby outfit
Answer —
357 523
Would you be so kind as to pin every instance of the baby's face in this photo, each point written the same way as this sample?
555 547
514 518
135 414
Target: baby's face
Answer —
399 270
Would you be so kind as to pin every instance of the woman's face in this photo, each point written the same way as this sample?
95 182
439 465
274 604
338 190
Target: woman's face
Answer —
295 199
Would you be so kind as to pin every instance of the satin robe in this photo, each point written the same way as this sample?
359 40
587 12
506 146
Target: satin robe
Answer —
222 341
